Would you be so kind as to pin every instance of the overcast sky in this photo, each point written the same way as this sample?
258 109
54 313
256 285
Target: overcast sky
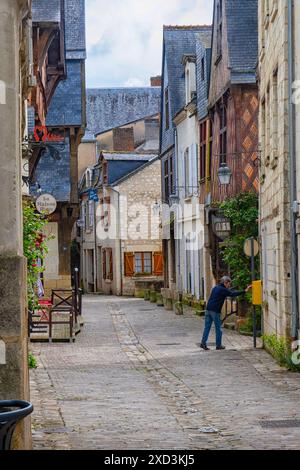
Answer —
124 37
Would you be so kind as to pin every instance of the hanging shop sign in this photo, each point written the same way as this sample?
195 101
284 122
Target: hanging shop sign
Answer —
46 204
93 195
221 226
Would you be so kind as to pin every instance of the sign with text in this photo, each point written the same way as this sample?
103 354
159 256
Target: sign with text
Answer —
46 204
93 195
221 226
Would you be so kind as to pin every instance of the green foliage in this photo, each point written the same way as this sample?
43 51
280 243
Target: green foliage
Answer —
35 247
281 351
248 326
242 210
32 362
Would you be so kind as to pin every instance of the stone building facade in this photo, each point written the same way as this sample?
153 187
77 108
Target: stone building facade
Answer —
14 88
119 243
276 130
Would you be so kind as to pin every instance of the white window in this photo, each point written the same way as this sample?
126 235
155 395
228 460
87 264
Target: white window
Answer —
143 263
91 214
187 86
187 172
83 214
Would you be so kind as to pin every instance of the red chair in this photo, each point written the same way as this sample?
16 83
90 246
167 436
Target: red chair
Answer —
45 305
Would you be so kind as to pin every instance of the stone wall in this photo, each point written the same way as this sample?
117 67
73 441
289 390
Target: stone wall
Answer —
13 315
273 127
144 187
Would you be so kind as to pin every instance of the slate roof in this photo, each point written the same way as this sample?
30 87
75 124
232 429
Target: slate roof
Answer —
134 172
46 11
177 42
53 176
107 108
127 156
242 33
203 52
66 105
75 29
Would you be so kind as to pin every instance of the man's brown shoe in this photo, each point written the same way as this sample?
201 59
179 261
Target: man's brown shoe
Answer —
203 346
218 348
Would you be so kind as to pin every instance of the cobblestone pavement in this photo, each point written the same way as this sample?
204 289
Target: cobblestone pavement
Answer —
136 379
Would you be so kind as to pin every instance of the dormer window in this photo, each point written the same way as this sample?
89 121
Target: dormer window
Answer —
190 80
187 86
219 28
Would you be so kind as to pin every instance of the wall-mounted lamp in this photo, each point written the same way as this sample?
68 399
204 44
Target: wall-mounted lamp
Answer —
224 174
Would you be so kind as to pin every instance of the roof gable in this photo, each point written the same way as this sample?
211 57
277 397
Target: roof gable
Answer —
179 41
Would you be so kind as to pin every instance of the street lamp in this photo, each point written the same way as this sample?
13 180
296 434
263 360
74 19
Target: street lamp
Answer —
224 174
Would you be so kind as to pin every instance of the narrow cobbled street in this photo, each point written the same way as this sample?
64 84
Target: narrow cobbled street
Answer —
136 379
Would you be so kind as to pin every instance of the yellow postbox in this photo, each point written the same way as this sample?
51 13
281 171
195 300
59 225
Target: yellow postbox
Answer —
257 292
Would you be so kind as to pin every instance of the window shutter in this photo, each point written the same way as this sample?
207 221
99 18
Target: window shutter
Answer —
104 264
128 264
158 264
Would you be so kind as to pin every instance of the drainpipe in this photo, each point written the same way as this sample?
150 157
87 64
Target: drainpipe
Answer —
293 181
120 242
177 240
96 249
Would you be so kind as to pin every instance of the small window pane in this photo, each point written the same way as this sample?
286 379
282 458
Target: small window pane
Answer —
147 263
138 262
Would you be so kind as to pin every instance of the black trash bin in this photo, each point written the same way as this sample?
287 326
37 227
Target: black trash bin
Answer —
11 412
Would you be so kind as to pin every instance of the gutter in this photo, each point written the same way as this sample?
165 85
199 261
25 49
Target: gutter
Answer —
294 206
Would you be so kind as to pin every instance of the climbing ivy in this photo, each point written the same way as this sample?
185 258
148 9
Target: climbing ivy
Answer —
35 248
242 210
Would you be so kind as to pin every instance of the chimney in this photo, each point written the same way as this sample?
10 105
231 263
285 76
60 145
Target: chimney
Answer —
123 139
155 81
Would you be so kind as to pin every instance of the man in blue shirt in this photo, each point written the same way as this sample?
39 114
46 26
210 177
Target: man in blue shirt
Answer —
213 310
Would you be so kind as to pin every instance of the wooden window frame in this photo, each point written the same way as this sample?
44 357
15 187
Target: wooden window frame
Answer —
210 142
223 133
187 176
202 150
143 272
168 177
107 264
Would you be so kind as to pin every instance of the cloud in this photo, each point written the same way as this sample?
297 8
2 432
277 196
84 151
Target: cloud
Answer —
124 37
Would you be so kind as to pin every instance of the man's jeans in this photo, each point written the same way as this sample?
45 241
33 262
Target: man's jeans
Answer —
211 317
